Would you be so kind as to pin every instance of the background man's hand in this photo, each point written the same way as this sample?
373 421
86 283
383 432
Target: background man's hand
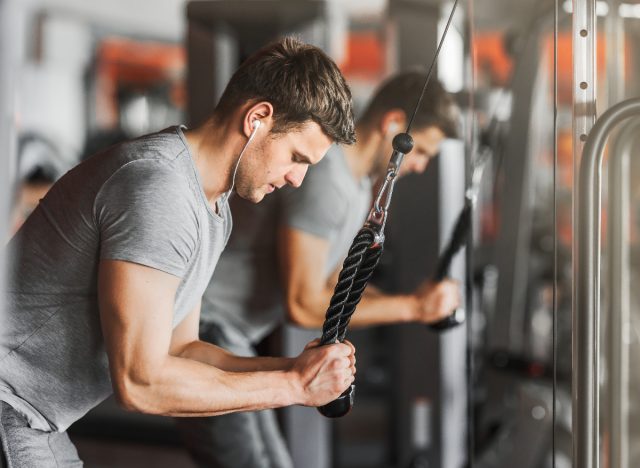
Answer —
322 373
435 301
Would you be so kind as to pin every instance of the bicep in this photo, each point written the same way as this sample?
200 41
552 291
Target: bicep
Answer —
302 258
136 311
186 332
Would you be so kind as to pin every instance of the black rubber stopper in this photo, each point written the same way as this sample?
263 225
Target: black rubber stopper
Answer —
340 406
403 143
453 320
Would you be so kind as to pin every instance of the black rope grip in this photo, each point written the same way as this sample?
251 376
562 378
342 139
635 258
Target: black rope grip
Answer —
457 240
357 269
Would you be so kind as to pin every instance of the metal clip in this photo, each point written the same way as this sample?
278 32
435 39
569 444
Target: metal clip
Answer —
378 215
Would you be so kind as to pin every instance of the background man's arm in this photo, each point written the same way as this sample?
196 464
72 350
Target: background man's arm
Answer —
150 374
308 293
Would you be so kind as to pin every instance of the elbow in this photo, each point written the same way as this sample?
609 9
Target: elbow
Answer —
304 314
135 395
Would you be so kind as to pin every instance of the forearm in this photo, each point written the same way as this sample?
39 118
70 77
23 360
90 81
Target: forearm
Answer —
375 308
186 387
213 355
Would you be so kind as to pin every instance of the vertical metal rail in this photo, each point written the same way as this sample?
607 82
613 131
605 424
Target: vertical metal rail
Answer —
619 305
615 63
584 361
586 287
12 21
554 329
584 73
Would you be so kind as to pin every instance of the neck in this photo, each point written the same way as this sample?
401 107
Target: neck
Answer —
363 155
215 148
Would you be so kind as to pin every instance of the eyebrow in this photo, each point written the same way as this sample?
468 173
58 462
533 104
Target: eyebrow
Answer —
302 157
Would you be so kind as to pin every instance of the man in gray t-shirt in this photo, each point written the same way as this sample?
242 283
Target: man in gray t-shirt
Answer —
284 255
106 275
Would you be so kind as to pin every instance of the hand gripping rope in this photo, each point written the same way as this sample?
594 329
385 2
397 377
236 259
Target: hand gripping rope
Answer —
365 251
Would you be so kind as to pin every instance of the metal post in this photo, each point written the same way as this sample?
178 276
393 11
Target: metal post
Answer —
585 419
584 73
614 32
586 287
11 22
619 305
506 330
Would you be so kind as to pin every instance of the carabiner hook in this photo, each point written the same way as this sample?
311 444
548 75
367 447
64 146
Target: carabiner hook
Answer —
402 144
385 192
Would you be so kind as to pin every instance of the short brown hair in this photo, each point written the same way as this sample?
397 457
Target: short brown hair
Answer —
402 91
301 82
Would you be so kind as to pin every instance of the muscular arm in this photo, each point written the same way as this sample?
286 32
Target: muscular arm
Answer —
303 258
152 373
186 344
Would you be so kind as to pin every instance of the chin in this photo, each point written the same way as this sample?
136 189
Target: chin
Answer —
253 197
258 198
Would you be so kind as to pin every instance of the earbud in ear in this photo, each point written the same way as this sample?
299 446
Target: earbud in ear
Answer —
256 124
393 127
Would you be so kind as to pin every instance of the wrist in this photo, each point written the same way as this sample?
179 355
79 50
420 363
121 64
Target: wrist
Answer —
287 364
294 389
410 310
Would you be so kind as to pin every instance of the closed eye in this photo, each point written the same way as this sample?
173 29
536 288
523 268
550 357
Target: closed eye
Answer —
301 158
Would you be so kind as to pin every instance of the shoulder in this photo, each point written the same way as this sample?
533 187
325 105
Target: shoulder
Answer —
165 145
149 189
149 175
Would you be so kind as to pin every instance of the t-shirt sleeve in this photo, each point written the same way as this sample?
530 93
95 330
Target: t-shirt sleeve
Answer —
146 215
317 207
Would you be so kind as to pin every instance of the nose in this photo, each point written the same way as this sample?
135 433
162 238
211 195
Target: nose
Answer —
416 164
296 175
421 165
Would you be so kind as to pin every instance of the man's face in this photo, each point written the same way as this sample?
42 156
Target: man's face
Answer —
275 160
426 145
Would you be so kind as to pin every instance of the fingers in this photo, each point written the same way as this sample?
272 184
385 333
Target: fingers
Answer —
440 300
344 379
349 379
341 364
313 344
340 374
326 371
345 363
341 349
348 343
449 292
352 357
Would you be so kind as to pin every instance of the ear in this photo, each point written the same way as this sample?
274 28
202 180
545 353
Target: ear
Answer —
392 122
262 111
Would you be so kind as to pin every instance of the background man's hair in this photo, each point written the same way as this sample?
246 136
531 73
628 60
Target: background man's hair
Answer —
301 82
402 92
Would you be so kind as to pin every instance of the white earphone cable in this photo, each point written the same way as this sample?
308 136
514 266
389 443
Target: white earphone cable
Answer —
226 195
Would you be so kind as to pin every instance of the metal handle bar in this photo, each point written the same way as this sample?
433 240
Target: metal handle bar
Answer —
586 287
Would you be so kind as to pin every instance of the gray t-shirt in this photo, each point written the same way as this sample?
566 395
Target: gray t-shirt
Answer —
140 201
245 293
